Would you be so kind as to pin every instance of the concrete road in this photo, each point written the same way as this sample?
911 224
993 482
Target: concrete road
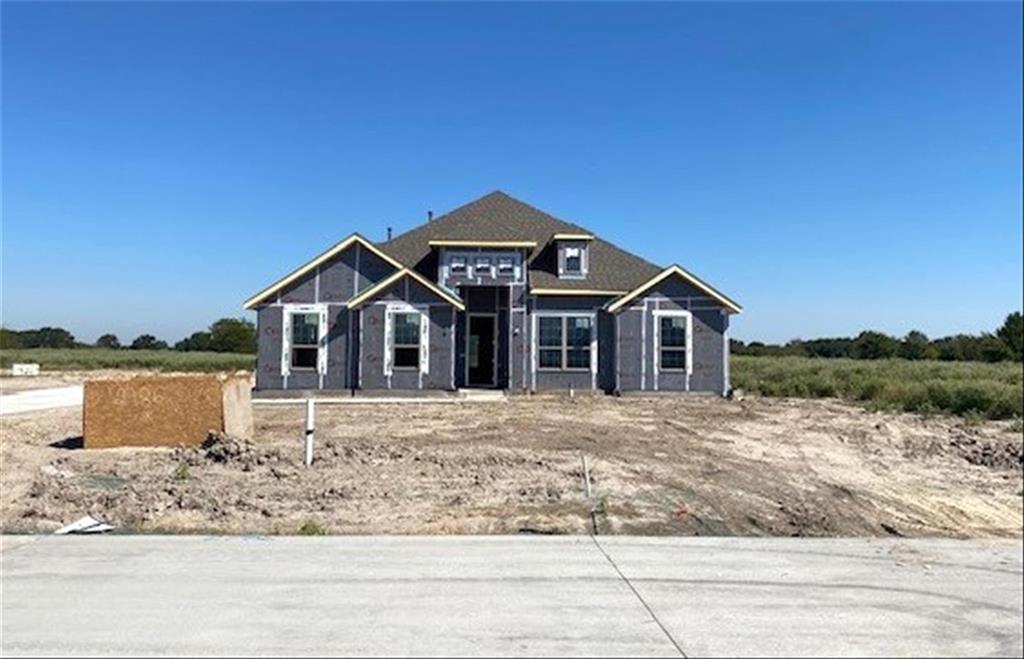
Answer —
486 596
40 399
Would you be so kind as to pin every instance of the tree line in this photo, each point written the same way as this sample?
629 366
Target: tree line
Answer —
1006 344
225 335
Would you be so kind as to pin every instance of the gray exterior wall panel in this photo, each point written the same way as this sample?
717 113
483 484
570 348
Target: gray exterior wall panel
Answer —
268 348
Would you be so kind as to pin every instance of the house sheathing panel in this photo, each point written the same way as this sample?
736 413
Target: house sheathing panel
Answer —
356 335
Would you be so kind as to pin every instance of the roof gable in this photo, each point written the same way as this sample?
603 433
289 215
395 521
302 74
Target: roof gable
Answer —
382 286
305 269
675 271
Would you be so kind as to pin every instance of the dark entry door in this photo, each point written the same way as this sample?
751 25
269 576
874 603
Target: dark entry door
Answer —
480 352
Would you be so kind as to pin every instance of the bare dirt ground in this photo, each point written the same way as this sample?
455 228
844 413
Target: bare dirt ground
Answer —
689 466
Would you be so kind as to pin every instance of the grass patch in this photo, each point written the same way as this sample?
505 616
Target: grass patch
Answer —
88 359
182 472
311 528
969 389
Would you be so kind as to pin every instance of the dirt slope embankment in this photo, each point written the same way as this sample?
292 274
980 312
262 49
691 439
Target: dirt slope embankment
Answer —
660 466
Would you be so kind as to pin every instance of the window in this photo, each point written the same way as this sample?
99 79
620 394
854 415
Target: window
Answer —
482 266
305 339
458 265
673 337
506 266
302 342
573 260
563 342
406 340
550 343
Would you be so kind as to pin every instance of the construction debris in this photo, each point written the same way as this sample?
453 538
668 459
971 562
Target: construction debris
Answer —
87 524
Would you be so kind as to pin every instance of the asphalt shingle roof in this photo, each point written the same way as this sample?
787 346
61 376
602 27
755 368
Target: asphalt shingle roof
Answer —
499 217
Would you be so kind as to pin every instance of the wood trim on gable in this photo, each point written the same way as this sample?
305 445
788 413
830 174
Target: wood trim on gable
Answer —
383 285
665 274
308 267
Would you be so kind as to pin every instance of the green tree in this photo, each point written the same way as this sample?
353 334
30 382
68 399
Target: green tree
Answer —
197 341
148 342
9 339
47 337
915 345
1012 334
874 345
108 341
233 335
993 349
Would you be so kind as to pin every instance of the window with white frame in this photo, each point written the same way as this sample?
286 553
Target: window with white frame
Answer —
304 343
564 342
405 340
482 266
506 266
572 261
674 340
458 265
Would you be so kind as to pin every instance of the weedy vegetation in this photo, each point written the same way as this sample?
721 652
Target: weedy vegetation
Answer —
972 390
87 359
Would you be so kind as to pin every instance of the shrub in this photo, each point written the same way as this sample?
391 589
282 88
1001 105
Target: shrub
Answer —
311 528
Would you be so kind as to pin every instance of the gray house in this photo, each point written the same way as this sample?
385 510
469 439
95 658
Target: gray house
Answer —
495 294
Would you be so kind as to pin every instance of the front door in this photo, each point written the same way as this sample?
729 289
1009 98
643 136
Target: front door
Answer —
480 350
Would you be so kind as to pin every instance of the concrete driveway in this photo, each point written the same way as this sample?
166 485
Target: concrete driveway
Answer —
40 399
486 596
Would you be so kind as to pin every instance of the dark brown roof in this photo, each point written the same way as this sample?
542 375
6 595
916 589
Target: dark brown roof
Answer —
499 217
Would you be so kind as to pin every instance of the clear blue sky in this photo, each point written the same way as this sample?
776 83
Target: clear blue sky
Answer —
833 167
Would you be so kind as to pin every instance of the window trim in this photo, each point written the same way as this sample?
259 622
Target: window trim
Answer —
673 313
395 345
564 348
289 310
390 310
563 272
489 264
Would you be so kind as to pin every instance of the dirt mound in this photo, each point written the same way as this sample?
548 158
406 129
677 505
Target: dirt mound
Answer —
226 450
989 453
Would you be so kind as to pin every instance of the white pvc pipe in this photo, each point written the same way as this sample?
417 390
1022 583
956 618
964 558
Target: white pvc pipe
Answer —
309 431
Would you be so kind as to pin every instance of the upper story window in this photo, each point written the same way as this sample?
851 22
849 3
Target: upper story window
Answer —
506 265
573 261
482 266
458 265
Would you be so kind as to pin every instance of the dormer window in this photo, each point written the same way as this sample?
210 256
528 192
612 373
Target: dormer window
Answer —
482 267
458 265
506 266
573 259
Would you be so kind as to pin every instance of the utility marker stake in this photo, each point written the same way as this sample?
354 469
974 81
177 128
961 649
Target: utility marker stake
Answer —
309 431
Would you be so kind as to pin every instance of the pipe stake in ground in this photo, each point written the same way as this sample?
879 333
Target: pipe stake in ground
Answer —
309 431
